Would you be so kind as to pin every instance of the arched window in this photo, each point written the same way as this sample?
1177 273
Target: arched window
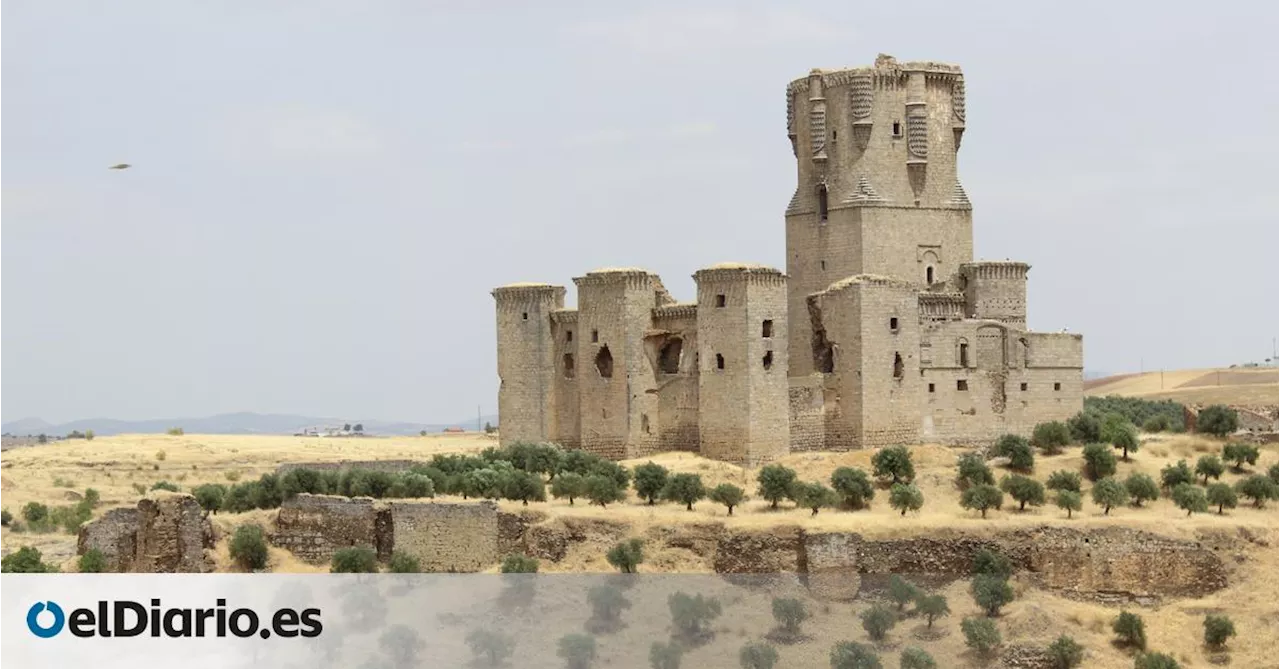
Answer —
928 275
719 361
604 362
964 354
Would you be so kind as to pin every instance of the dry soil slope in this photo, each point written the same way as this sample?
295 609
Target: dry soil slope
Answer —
1240 386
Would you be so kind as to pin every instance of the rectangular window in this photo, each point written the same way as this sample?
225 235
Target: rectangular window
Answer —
893 323
720 300
766 329
962 385
1057 386
568 335
1022 386
930 387
524 316
595 336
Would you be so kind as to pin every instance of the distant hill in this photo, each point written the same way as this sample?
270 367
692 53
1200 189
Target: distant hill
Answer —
230 423
1249 386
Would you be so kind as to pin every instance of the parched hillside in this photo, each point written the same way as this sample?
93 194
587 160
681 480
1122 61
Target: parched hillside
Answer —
1240 386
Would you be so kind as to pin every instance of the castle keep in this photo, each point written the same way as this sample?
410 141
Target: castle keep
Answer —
884 330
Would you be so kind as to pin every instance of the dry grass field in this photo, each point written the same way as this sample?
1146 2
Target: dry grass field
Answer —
117 466
1240 386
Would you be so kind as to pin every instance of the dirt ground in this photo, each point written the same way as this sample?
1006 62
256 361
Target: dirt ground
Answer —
1239 386
114 465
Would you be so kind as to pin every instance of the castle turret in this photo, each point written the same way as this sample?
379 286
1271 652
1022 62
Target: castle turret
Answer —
996 291
877 189
526 360
742 358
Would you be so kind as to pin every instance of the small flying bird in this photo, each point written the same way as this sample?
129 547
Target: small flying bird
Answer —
121 166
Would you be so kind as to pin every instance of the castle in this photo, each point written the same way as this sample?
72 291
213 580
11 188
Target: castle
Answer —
883 331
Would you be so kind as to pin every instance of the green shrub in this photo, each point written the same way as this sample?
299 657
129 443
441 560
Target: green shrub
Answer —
1136 410
603 490
1176 474
1120 433
92 562
1222 496
1050 437
916 658
1024 490
5 518
1217 420
980 634
776 483
1066 653
905 497
1210 466
403 563
1156 424
607 604
1142 488
1099 461
519 564
1109 493
1086 426
1274 472
757 655
517 485
35 513
991 593
815 496
173 432
789 612
991 563
577 650
26 560
690 614
1129 630
650 479
1155 661
932 607
249 548
626 556
729 495
686 489
1239 453
973 470
1259 488
665 655
853 655
210 495
1068 501
1017 449
165 485
1064 480
354 560
1190 498
568 485
1217 629
490 648
902 591
981 498
894 463
854 486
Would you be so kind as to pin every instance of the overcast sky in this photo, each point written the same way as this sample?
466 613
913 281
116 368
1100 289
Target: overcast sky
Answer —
324 192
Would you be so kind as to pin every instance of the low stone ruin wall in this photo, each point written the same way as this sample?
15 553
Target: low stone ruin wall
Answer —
166 533
342 465
444 537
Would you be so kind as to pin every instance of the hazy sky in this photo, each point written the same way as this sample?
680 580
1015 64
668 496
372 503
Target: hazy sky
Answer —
324 192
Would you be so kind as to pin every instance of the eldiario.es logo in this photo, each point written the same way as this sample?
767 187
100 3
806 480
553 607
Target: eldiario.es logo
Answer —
124 618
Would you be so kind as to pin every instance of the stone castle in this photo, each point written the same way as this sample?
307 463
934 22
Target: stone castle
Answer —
884 329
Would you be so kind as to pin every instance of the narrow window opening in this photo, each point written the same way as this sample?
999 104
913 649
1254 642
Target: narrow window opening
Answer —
1057 386
964 355
524 316
897 366
768 360
824 264
595 336
644 423
897 129
604 362
893 323
568 366
1022 386
766 329
669 356
928 275
833 135
822 203
568 335
930 387
962 385
720 301
719 361
604 413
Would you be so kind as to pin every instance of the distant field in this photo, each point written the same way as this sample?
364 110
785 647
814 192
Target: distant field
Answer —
1195 386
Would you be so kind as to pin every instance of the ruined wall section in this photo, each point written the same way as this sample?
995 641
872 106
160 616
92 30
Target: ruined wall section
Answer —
672 348
526 363
742 325
445 537
889 330
312 527
166 533
807 413
835 351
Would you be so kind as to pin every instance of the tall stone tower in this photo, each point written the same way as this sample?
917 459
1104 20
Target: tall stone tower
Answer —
526 359
877 191
742 361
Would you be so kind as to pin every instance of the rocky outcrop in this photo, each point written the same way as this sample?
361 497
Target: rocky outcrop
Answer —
166 533
769 551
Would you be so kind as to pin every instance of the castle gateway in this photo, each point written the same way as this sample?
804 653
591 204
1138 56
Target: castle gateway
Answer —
883 331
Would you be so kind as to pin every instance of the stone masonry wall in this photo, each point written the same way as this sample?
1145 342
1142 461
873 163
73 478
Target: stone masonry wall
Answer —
447 537
312 527
166 533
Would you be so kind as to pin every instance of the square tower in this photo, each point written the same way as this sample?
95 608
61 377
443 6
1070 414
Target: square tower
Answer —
877 190
743 413
526 360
